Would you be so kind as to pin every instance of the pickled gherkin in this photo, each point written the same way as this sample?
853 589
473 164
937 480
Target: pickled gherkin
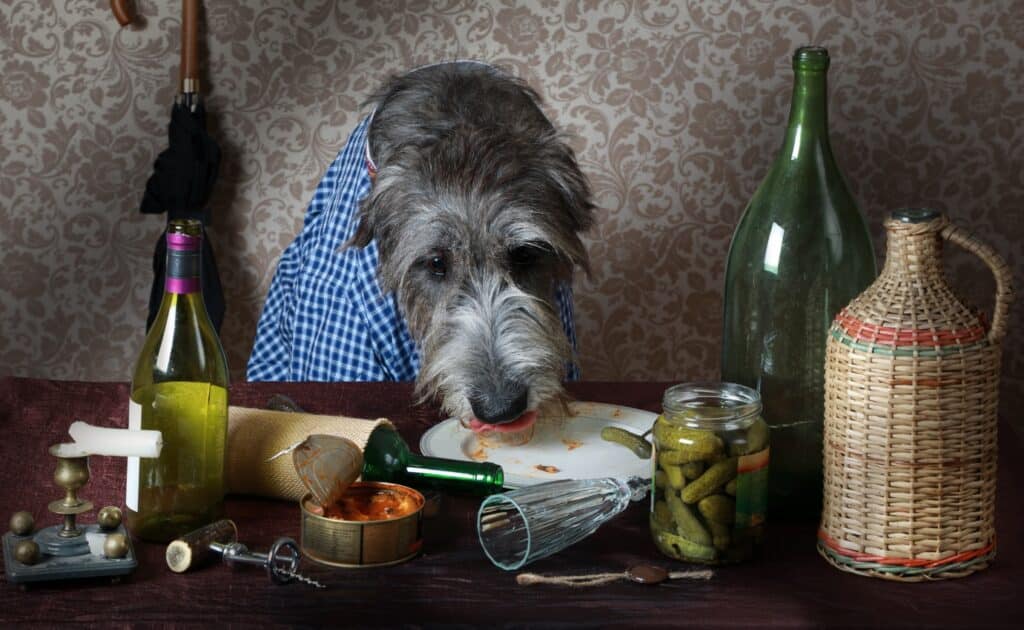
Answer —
718 508
679 547
719 474
640 447
662 514
683 445
709 465
720 536
675 477
693 470
755 439
687 524
757 436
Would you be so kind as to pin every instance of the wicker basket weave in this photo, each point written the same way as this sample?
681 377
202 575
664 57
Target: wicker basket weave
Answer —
911 386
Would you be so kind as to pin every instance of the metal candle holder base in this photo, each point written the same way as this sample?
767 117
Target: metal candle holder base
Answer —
63 550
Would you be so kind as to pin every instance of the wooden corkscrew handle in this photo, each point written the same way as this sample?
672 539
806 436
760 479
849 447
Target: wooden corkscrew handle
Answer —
193 548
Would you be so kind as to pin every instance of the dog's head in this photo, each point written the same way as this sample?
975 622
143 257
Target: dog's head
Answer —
477 209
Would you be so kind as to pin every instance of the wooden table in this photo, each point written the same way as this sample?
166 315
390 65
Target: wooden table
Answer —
452 582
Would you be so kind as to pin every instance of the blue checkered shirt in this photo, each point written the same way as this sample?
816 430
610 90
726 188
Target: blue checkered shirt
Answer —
326 318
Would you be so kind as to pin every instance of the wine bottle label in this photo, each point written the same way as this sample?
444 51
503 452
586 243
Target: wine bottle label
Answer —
182 263
131 494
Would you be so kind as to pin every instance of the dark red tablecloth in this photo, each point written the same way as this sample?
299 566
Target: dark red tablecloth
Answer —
453 582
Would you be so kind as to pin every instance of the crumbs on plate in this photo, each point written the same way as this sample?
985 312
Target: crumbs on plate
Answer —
571 444
547 469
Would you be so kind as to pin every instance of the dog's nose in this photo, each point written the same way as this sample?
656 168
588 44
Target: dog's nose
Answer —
503 405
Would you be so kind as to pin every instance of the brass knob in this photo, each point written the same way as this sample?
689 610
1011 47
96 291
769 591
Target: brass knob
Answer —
109 517
115 546
22 523
26 552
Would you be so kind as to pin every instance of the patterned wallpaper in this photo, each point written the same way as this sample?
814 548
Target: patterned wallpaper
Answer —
677 108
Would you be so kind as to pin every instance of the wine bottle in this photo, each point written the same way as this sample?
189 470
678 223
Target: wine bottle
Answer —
180 389
801 252
387 457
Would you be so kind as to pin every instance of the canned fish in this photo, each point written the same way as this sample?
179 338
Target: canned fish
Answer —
374 524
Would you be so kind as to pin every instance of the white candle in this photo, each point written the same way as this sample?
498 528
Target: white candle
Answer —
115 442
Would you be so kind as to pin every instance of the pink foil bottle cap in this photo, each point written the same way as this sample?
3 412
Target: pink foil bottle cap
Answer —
182 242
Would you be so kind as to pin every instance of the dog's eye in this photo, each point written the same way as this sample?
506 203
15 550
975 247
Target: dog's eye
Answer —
437 264
524 256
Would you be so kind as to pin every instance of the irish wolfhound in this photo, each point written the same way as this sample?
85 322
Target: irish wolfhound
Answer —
477 207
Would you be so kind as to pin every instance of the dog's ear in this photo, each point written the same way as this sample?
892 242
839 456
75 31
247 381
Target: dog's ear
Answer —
363 235
570 182
561 174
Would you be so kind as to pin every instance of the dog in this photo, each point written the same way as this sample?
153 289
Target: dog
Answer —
476 211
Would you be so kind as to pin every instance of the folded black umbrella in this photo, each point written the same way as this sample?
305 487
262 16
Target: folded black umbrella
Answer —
181 184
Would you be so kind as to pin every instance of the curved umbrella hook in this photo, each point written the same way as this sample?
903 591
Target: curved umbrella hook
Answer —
122 11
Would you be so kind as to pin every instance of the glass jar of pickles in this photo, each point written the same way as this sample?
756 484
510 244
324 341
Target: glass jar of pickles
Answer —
710 473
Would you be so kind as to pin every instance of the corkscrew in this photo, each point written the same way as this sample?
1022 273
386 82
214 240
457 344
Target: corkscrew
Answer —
281 562
221 538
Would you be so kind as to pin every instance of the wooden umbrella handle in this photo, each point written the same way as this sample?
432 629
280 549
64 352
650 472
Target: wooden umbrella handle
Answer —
189 46
122 11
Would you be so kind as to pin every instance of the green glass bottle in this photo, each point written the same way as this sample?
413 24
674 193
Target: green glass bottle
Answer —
800 253
387 458
180 388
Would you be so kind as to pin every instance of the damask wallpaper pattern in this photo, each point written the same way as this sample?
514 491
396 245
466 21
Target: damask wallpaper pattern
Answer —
676 109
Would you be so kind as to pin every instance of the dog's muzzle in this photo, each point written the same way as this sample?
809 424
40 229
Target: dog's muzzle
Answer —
501 407
502 411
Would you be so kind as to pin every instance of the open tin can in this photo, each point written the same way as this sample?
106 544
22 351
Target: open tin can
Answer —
346 523
363 543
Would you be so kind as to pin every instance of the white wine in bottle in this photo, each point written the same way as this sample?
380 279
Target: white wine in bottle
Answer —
180 388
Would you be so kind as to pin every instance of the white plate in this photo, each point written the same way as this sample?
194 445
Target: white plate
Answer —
571 447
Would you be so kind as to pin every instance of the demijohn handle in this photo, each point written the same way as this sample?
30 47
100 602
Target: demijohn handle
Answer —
995 262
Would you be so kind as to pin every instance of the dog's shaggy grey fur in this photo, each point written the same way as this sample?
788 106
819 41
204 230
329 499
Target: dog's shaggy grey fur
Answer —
477 209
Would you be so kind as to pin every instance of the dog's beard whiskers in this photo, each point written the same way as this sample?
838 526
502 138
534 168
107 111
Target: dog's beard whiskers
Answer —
494 333
439 373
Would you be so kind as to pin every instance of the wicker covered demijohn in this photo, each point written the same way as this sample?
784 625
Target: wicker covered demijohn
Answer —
911 386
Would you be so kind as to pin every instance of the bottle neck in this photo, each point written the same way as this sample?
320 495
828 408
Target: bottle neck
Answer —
449 475
388 458
807 129
183 264
914 250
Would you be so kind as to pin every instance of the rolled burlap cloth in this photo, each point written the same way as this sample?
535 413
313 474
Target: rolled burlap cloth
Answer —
255 435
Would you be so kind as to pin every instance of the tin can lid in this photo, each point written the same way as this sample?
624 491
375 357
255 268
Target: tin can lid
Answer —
327 466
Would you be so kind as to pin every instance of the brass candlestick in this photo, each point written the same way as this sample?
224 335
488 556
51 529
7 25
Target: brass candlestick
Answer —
71 474
62 551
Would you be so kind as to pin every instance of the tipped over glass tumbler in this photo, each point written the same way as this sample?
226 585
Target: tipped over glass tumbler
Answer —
518 527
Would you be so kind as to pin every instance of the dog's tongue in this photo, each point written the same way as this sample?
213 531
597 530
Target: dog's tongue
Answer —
520 423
